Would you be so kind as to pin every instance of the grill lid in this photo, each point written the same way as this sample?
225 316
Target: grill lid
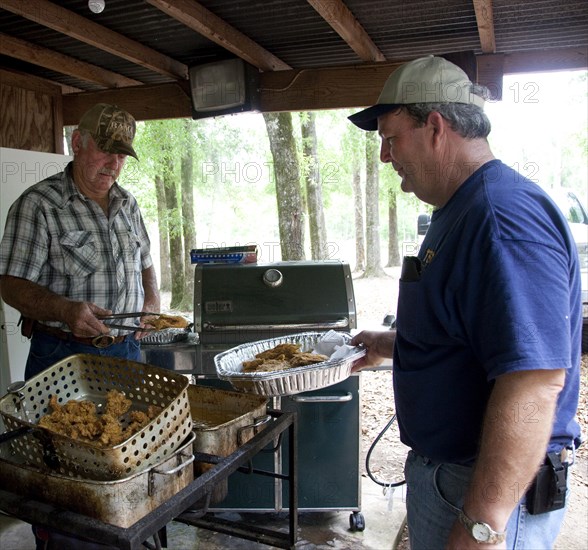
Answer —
308 295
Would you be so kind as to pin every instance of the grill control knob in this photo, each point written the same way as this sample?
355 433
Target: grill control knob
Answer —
273 278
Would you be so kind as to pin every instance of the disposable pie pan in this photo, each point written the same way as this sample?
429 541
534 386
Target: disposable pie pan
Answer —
166 336
229 367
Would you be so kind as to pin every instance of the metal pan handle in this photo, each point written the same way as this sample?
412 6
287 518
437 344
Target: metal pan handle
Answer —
260 421
322 398
151 484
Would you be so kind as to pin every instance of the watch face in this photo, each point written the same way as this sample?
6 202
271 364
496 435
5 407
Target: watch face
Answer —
480 532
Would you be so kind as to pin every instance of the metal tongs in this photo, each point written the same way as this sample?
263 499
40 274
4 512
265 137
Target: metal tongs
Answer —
133 315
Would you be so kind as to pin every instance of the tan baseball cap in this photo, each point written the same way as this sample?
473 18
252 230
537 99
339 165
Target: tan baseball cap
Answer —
112 128
425 80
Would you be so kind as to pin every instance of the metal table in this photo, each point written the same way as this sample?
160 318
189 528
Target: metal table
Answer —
76 525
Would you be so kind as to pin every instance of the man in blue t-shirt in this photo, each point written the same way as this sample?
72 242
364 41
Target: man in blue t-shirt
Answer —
487 346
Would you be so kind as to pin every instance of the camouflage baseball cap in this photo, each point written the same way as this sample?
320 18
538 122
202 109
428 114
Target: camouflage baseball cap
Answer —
111 127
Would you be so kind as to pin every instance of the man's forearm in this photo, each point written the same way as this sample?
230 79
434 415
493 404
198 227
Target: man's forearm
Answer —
152 298
33 300
517 428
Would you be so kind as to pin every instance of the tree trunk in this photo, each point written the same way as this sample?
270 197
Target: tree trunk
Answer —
373 266
176 250
188 227
163 225
287 174
358 211
314 195
393 251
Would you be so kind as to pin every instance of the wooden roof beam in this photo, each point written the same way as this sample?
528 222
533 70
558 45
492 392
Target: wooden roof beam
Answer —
310 89
338 15
195 16
485 21
55 61
67 22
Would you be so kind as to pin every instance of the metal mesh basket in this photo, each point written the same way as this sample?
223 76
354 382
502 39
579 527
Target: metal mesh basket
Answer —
91 377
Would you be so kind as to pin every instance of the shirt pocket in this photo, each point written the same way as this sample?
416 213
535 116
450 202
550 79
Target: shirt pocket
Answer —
80 254
132 252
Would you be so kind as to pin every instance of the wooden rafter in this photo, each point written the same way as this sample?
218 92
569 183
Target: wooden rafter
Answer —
485 21
195 16
78 27
301 90
338 15
32 53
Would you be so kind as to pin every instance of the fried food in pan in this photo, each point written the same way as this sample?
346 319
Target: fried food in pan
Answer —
81 419
282 357
161 322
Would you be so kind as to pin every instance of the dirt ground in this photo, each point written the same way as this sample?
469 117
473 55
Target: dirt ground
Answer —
375 298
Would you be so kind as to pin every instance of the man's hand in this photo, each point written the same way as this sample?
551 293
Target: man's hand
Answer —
379 345
37 302
82 319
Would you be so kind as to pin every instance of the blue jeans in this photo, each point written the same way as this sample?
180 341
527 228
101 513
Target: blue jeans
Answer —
434 498
46 350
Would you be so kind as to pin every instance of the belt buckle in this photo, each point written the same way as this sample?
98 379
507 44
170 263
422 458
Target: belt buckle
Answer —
103 341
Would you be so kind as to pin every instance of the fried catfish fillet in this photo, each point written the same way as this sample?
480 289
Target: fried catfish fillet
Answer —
161 322
281 357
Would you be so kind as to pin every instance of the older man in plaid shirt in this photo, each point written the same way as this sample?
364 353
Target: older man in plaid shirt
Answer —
75 249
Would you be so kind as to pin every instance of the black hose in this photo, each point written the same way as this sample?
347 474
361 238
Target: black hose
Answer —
369 454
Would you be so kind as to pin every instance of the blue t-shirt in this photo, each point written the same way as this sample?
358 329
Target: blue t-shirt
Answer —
498 291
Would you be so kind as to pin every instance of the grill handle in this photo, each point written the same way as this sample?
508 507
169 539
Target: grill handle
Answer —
322 398
340 323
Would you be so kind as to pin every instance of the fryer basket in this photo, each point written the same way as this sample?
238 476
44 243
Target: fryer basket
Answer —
86 376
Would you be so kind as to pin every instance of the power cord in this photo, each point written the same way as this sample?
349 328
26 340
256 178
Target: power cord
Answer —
390 322
369 454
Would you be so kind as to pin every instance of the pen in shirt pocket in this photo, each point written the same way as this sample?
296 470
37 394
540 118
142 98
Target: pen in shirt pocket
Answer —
411 269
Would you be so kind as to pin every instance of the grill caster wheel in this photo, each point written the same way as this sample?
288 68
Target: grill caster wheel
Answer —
356 521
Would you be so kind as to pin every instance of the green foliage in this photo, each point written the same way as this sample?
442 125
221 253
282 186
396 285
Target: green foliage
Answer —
234 183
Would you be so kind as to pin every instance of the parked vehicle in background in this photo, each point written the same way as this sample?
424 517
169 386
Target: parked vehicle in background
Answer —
577 217
575 213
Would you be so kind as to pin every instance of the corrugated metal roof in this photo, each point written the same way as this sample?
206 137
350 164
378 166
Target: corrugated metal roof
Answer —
294 32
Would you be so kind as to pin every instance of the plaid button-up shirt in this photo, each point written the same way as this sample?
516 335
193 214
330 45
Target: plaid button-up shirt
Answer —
58 238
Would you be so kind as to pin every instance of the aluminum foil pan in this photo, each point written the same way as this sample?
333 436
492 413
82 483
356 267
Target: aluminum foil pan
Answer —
289 381
166 336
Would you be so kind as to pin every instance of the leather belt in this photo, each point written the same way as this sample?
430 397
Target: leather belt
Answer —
101 341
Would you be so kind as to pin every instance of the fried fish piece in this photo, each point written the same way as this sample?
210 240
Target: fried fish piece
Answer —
251 366
306 358
282 357
161 322
80 419
273 365
284 351
117 403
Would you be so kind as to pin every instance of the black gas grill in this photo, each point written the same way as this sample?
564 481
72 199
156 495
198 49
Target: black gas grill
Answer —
235 304
240 303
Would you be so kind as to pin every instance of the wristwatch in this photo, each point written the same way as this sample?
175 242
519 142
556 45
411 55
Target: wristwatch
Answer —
481 532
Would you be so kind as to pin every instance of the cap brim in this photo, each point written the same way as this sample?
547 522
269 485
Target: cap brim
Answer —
368 118
115 147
